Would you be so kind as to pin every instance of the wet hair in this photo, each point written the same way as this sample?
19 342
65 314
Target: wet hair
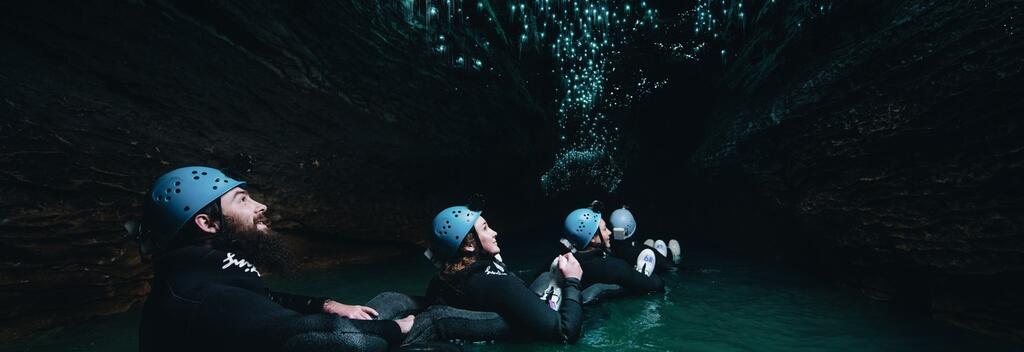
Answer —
454 273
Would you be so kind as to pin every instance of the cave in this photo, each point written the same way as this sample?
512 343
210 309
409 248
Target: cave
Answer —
867 147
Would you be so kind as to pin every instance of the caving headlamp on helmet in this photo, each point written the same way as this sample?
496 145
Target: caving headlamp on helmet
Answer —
581 225
623 219
175 198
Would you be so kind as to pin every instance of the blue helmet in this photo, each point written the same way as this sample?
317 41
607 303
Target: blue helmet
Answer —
450 228
623 218
581 226
175 198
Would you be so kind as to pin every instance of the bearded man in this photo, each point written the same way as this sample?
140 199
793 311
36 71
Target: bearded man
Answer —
207 235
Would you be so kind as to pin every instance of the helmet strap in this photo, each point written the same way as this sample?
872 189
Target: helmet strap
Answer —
605 248
478 247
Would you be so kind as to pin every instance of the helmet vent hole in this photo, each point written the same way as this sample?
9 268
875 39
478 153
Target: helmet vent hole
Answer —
168 198
195 172
168 190
177 183
177 190
217 180
214 187
187 208
195 177
225 181
204 173
160 198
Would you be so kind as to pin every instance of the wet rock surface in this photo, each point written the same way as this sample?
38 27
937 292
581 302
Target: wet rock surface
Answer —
882 143
340 119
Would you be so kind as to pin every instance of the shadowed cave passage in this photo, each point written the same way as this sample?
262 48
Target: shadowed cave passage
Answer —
874 146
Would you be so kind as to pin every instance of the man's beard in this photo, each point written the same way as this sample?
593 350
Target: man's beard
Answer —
265 249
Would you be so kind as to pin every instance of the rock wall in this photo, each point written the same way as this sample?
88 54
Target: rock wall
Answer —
336 112
882 141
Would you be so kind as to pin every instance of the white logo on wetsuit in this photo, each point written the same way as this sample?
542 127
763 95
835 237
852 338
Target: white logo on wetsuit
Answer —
498 269
241 263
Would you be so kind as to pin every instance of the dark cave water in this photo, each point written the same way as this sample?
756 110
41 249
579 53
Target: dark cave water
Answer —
717 303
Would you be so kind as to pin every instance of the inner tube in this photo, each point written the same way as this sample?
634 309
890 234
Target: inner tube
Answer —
598 291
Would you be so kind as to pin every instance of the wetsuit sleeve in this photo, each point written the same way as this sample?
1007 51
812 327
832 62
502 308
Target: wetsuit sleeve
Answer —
524 311
571 310
239 319
298 303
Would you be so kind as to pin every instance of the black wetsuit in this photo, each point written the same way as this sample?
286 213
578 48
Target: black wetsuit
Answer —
488 286
600 268
208 300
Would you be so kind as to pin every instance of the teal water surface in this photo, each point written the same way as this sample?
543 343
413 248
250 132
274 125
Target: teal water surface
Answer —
716 303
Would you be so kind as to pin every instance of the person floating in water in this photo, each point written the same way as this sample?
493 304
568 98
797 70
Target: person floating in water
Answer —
207 235
474 277
624 226
587 235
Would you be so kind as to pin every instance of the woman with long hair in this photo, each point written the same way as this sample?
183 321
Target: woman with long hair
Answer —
473 277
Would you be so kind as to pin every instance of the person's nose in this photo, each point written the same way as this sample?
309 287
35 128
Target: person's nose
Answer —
260 207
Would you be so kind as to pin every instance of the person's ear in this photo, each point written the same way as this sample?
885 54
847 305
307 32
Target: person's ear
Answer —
206 224
468 247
